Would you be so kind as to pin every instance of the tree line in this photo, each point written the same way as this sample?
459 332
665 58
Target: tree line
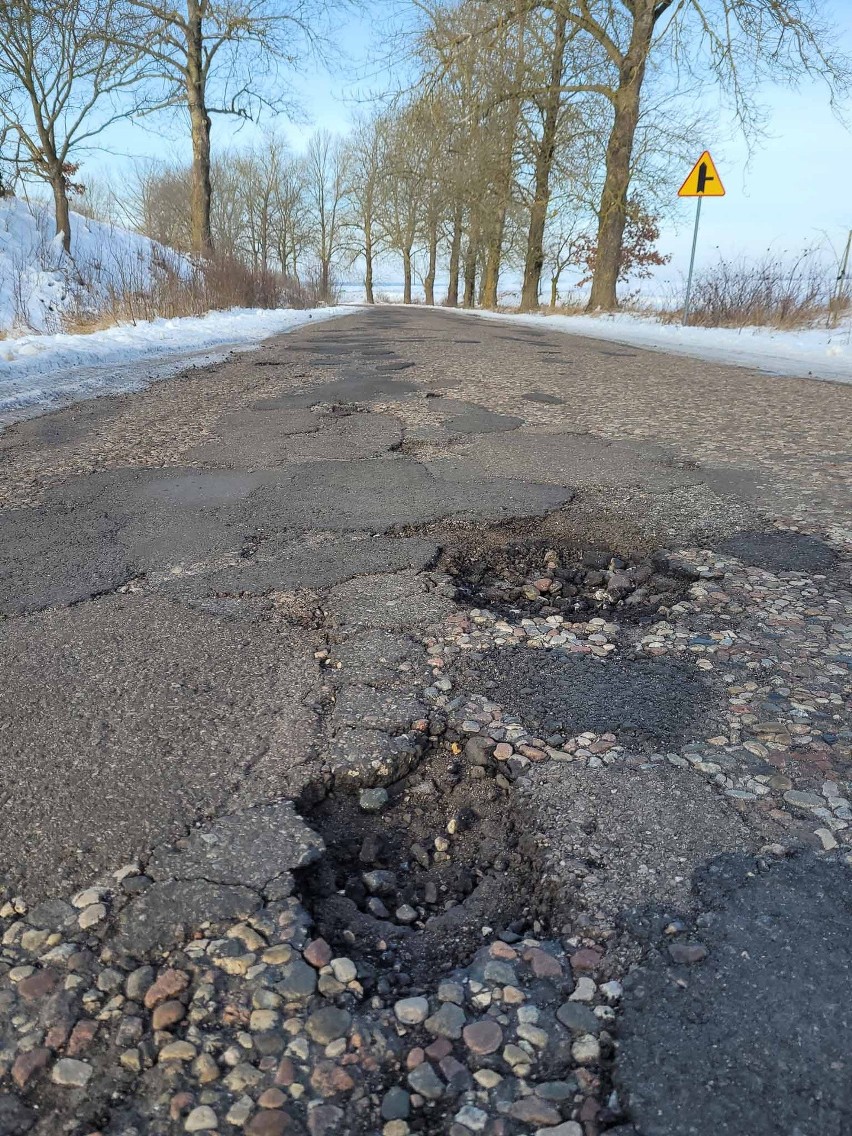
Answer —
535 135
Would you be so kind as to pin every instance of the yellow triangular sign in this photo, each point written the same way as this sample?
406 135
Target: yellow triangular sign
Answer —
704 181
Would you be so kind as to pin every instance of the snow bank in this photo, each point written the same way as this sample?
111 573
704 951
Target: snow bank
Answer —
39 282
815 353
41 372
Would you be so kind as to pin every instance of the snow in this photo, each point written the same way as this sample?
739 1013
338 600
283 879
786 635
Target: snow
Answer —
813 352
42 367
40 283
42 372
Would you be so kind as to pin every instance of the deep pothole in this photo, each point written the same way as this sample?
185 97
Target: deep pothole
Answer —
413 888
541 579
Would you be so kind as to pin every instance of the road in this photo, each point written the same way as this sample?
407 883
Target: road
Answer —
517 662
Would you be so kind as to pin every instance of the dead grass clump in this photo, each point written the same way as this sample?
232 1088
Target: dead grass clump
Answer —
770 292
166 285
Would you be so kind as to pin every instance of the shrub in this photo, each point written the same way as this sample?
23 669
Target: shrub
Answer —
772 291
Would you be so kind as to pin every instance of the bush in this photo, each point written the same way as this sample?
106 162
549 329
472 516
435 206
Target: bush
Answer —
169 286
769 292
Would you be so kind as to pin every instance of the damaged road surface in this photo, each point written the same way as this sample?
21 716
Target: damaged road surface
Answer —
425 726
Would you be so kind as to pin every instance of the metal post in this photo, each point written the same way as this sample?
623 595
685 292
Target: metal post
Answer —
691 264
839 284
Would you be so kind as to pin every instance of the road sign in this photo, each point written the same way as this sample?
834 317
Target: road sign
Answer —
704 180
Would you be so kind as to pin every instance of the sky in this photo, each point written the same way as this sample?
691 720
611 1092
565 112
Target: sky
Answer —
791 191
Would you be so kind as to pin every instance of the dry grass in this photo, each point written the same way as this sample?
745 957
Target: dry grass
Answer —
771 292
169 287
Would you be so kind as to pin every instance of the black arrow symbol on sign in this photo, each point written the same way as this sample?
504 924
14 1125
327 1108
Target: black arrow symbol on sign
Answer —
703 177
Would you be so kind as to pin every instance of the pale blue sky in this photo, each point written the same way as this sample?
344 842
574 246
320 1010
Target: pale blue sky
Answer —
794 187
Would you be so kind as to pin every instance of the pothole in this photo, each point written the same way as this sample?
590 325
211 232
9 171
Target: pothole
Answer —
412 888
539 579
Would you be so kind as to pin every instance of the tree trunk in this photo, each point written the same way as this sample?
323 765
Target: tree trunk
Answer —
199 121
455 260
429 281
470 260
534 262
504 181
554 292
503 192
612 214
62 210
368 258
491 275
406 266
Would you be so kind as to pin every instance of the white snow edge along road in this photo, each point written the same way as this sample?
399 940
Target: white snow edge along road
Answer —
812 353
45 372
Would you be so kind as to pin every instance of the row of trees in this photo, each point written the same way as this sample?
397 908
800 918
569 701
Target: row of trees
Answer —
530 133
552 125
71 69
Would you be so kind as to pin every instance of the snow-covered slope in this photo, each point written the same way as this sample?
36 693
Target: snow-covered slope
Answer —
43 367
39 283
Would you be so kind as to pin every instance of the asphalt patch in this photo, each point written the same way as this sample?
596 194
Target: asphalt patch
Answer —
753 1038
780 551
646 703
478 420
543 397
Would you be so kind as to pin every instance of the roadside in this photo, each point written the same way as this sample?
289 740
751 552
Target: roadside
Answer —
46 371
410 696
808 352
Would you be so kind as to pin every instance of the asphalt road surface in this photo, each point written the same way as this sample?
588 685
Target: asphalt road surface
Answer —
579 612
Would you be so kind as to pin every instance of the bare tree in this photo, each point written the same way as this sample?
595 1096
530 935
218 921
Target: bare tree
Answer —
64 78
366 160
737 42
326 191
734 44
162 195
222 57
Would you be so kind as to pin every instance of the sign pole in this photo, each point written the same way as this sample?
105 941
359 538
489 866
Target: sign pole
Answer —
692 264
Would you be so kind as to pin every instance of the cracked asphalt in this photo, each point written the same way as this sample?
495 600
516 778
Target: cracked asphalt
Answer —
215 596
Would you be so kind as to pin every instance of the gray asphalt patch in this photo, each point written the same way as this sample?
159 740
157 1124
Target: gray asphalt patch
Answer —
309 563
752 1039
645 702
143 716
48 558
544 398
478 420
628 837
780 551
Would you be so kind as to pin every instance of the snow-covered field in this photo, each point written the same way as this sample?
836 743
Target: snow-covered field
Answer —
815 353
42 372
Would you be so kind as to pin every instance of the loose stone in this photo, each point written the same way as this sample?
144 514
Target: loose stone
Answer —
586 1050
447 1022
411 1011
373 800
425 1081
396 1104
201 1119
327 1024
483 1037
169 984
71 1073
318 953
